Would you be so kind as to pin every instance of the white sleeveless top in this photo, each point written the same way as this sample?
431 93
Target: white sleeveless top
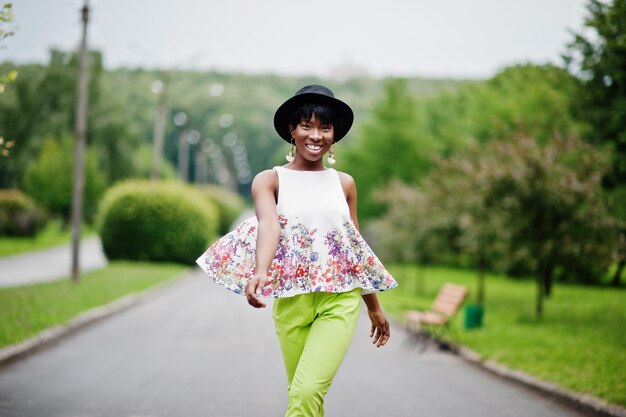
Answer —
319 248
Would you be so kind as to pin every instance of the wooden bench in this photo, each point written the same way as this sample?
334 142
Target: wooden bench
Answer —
436 322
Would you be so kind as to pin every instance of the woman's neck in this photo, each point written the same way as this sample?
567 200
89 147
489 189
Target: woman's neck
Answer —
301 164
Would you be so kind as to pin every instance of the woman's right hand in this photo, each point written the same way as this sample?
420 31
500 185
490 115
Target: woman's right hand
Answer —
253 290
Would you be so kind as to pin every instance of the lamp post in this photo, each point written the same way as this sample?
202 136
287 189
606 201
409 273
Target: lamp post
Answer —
202 167
193 137
159 87
181 120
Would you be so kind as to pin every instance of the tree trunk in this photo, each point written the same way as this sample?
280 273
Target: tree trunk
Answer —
540 291
480 296
547 278
616 281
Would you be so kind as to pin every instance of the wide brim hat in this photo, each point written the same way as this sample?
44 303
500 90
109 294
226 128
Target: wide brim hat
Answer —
314 94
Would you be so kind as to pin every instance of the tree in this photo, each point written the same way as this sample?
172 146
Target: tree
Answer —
533 100
551 198
536 100
49 180
6 16
599 61
41 104
541 211
391 145
448 219
598 58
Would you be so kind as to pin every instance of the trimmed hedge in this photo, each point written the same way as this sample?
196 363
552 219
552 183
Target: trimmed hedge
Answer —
156 221
19 216
230 205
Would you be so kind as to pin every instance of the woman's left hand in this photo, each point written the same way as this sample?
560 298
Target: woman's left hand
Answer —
380 332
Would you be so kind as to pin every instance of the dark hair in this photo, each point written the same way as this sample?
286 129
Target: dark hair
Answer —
323 113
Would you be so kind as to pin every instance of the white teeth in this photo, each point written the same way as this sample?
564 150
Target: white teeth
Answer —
314 147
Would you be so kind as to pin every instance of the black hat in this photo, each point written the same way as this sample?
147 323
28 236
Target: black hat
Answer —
314 94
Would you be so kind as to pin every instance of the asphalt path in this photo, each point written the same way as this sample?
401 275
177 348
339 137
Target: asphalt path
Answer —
49 264
198 350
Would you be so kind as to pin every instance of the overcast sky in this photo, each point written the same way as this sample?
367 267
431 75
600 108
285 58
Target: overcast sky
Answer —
433 38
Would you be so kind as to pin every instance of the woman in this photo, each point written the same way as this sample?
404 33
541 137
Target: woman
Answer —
304 249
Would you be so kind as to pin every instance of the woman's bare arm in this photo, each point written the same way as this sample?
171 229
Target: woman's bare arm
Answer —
264 192
380 331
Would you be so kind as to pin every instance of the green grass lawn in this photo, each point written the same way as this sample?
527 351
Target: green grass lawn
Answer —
580 343
26 310
51 235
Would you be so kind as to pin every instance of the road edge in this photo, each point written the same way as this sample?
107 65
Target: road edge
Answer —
46 337
582 402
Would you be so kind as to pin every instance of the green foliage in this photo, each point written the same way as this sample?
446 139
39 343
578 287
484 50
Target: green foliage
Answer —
143 164
143 220
19 216
391 145
41 103
49 180
552 197
251 99
578 345
6 16
121 114
598 58
405 133
30 309
410 231
230 205
534 100
113 134
540 212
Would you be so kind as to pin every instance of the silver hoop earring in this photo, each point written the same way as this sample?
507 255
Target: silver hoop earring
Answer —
290 157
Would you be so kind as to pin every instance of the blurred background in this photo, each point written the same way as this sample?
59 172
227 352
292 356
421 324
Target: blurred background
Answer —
489 145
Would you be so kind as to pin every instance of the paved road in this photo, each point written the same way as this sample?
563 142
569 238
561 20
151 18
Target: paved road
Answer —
197 350
49 264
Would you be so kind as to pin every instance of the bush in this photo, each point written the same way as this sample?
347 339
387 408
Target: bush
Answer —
143 164
230 205
156 221
49 180
19 216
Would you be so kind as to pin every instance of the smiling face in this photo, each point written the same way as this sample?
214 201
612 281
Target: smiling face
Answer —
313 139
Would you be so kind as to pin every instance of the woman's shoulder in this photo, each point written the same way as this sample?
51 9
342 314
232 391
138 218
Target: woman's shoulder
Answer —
347 182
266 178
271 172
345 177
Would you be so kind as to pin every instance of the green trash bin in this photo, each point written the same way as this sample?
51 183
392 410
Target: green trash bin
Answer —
473 316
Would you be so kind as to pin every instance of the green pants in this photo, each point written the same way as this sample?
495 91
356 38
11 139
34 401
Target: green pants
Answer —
314 331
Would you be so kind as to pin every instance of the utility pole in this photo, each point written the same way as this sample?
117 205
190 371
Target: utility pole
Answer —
159 128
79 154
182 120
183 155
